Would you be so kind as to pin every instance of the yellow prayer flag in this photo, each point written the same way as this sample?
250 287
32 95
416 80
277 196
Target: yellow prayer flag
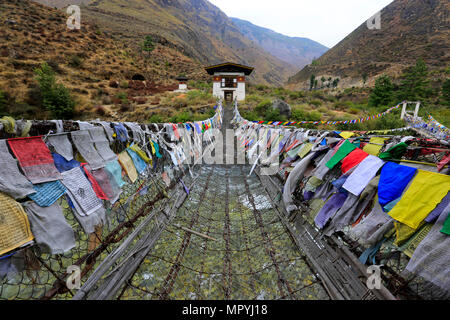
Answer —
426 191
127 163
306 148
346 134
374 146
140 152
14 225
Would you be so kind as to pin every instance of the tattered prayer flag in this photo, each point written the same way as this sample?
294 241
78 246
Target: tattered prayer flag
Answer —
14 227
35 159
165 178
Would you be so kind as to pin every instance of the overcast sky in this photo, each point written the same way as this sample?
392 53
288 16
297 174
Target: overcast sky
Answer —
325 21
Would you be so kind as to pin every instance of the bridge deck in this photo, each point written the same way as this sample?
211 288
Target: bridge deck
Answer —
239 248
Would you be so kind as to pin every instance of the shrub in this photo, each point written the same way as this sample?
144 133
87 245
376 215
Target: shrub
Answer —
201 85
318 95
296 95
122 96
263 107
183 117
274 115
24 110
100 110
251 115
55 66
298 115
126 107
75 61
156 118
179 102
316 103
55 96
198 97
253 98
314 116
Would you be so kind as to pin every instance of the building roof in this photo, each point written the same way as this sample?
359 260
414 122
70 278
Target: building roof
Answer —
229 67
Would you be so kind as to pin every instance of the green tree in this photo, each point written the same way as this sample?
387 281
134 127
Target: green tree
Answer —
415 85
382 94
148 45
55 96
336 82
312 81
323 79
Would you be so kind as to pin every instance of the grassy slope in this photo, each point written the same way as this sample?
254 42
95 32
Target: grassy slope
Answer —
38 34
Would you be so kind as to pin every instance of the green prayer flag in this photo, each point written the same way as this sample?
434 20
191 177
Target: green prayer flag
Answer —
446 227
396 152
343 151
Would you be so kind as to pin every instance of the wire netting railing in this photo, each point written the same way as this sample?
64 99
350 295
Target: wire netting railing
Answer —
44 275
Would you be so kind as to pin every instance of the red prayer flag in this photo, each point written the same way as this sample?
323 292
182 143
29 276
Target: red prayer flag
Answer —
353 159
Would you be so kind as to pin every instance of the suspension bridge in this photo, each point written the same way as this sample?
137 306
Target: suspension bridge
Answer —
207 232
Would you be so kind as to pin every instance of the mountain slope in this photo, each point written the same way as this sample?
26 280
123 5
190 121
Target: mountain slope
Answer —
294 50
86 61
195 27
409 29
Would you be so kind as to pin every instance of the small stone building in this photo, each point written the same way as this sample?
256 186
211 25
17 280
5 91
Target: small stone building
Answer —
229 80
182 84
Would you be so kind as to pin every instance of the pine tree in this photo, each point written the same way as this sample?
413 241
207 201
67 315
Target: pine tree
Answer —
312 80
415 85
382 94
323 81
55 96
148 45
335 82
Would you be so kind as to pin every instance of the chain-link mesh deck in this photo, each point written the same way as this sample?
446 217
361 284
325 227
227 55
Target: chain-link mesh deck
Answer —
226 242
